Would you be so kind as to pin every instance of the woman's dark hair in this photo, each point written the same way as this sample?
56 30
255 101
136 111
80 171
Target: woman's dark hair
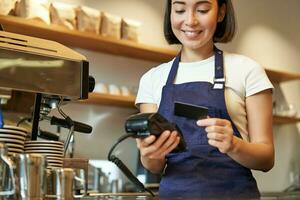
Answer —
224 32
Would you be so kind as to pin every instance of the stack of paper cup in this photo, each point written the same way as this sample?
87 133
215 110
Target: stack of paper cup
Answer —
14 138
52 150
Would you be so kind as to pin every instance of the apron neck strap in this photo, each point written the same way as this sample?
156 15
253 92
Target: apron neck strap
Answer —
219 79
219 69
174 68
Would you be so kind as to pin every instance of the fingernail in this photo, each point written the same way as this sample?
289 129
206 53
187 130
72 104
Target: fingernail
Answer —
199 123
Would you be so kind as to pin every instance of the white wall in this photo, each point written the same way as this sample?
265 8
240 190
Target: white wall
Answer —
268 32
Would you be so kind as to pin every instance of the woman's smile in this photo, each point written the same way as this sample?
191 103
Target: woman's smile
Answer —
192 34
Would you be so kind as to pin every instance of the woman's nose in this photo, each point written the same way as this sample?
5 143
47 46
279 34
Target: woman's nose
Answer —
191 19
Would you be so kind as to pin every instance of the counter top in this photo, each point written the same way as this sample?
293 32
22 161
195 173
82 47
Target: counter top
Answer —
120 196
295 195
146 196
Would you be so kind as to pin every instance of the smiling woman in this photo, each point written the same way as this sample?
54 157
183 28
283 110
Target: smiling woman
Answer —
194 24
236 137
225 29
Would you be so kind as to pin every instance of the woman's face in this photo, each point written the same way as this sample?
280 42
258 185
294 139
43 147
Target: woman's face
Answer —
194 21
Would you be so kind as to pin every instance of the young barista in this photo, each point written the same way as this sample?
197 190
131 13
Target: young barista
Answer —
236 137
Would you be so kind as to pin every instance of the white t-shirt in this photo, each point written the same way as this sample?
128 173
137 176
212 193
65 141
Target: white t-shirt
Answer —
244 77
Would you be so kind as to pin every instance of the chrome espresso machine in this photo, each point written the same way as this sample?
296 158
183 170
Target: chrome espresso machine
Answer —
46 68
55 74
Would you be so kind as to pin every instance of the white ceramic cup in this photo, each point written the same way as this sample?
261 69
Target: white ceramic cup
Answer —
125 91
114 89
100 88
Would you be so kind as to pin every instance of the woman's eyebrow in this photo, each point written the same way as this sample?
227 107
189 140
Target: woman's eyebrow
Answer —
203 2
178 2
198 2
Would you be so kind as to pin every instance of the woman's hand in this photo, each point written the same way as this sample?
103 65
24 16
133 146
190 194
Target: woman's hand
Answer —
153 150
219 133
157 149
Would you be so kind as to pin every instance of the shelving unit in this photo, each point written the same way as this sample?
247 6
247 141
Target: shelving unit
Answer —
278 76
122 101
280 120
104 44
111 100
116 47
85 40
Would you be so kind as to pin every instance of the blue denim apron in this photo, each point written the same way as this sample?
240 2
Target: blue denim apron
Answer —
202 172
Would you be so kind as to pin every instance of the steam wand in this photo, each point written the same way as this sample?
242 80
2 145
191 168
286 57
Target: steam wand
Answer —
70 123
124 168
70 135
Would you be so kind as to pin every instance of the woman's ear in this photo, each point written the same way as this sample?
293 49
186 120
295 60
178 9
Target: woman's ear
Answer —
222 12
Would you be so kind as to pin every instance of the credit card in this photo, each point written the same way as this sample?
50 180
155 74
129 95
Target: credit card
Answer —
190 110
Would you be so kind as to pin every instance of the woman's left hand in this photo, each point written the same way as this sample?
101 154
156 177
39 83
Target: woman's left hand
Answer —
219 133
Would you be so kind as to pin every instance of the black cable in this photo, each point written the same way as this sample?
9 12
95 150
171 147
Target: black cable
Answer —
123 137
124 168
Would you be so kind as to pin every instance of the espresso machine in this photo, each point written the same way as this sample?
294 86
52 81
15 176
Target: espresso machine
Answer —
54 73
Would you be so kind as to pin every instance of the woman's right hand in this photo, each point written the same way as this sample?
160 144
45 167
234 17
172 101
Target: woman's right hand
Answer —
153 150
156 149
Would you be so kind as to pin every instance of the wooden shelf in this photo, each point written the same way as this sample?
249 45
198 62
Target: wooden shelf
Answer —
85 40
279 120
104 44
111 100
278 76
123 101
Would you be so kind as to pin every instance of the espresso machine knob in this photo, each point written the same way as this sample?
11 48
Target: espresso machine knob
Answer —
91 83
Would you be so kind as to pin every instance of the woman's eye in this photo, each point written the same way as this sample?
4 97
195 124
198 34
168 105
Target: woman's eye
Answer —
179 11
203 11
